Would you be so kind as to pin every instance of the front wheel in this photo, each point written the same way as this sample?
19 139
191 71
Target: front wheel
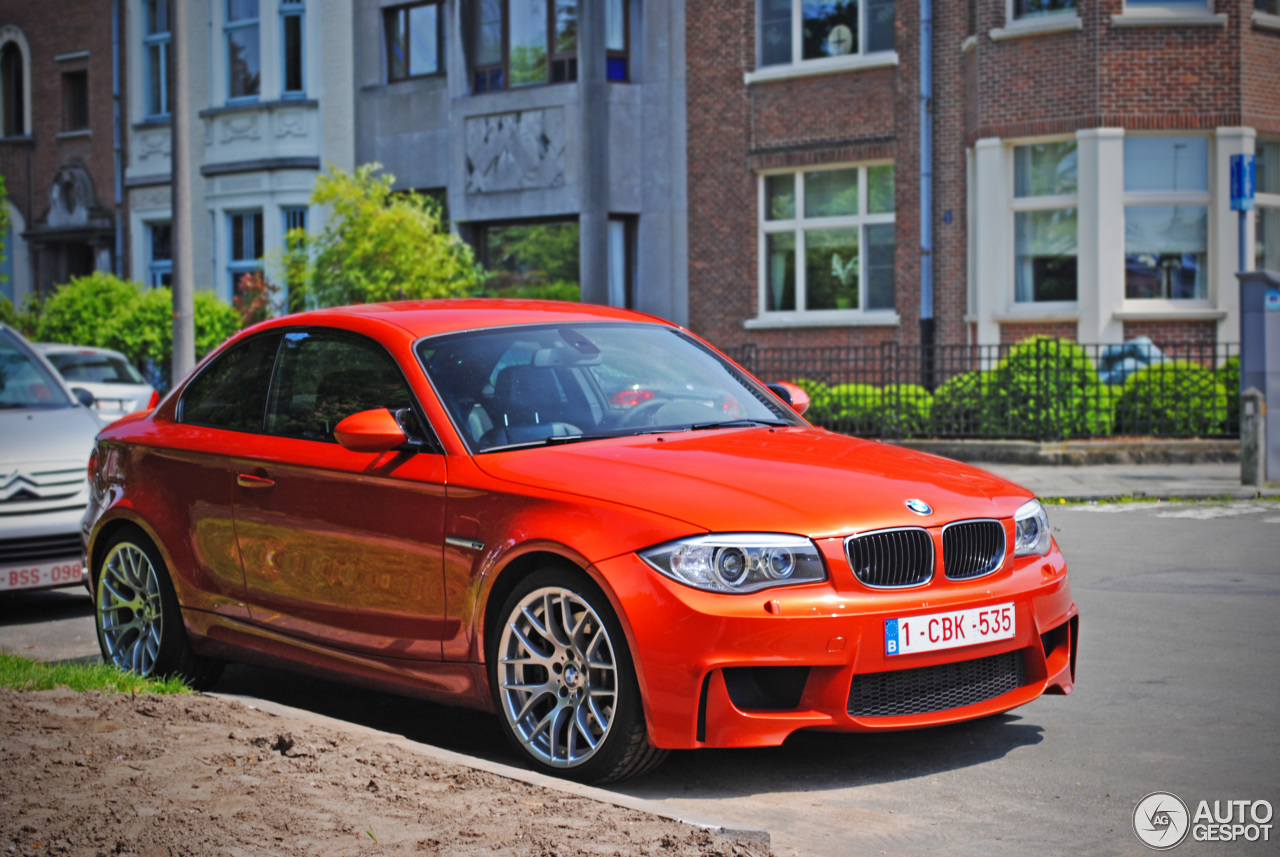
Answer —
564 682
138 619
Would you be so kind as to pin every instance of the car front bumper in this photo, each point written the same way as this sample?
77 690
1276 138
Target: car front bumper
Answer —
748 670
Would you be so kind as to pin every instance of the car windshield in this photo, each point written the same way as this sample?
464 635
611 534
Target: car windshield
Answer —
24 380
544 384
94 367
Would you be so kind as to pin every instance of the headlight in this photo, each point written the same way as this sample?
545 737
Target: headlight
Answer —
738 562
1031 530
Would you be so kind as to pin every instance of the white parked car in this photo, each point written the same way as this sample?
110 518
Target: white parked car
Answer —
46 437
117 387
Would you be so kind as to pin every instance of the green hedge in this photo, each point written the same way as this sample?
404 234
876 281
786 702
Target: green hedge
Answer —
1049 387
1176 398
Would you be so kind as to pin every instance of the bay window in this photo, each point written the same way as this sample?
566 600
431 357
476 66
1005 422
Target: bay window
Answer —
1166 213
827 240
1267 215
291 20
1045 222
798 31
244 59
245 256
155 43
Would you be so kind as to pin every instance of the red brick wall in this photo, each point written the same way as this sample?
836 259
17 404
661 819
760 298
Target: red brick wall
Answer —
1174 335
1013 333
1260 84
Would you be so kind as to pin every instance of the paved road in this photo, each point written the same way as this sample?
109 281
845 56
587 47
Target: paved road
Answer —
1177 691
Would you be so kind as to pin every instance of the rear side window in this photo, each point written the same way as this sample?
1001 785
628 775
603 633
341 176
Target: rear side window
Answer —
94 368
323 378
231 392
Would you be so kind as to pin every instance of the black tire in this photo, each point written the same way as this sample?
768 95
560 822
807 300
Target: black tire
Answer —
577 697
137 617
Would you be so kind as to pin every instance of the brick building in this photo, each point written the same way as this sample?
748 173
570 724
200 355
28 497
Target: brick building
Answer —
58 97
1080 163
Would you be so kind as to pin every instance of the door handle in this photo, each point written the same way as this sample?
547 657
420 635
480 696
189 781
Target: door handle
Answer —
246 480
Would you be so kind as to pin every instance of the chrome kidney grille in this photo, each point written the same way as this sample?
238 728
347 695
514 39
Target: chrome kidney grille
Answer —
889 559
972 548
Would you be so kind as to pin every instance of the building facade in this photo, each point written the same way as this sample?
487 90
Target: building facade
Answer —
270 105
558 120
60 79
1079 168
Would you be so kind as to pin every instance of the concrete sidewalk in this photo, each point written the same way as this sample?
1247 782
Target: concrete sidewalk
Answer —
1156 481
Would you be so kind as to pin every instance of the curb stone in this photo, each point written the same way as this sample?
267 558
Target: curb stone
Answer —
728 831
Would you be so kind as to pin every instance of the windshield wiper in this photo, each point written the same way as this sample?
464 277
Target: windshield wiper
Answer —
554 440
737 424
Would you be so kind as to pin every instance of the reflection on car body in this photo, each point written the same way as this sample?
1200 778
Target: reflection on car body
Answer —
452 499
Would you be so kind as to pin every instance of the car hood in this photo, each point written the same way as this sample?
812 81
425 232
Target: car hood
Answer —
46 435
806 481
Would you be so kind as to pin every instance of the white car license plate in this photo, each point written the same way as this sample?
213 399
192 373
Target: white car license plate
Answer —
950 630
41 574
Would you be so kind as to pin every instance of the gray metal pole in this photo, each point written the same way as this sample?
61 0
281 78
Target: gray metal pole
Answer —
184 327
593 89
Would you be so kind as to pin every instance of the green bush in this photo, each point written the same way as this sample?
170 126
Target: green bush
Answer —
144 331
83 311
1048 388
962 405
1172 399
819 400
907 409
856 409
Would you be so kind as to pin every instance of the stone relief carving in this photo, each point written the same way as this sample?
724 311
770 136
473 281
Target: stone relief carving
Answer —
515 151
154 144
291 123
71 197
240 127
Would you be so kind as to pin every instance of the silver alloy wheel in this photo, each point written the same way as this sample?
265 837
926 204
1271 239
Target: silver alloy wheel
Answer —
557 676
128 609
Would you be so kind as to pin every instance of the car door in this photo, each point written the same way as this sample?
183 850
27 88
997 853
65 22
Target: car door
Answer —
341 548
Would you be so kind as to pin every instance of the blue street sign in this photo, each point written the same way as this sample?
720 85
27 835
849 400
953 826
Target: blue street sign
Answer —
1243 181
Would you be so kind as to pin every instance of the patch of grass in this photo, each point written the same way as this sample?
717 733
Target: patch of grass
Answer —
1141 498
25 674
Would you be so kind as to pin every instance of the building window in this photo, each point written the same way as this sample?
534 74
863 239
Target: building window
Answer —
1271 7
1267 215
1166 217
531 260
244 61
75 101
1023 9
13 90
1044 222
160 249
155 44
245 254
295 217
292 48
814 228
415 42
532 42
793 31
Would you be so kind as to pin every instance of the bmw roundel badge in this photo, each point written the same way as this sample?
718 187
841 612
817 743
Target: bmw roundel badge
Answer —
920 507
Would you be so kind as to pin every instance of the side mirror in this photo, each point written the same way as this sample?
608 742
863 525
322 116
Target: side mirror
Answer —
84 397
794 396
370 431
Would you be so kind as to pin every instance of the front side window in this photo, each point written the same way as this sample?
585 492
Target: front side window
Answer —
1267 215
415 44
323 378
795 31
292 53
231 392
1166 214
159 240
244 60
519 43
155 44
1039 8
245 251
827 239
1044 222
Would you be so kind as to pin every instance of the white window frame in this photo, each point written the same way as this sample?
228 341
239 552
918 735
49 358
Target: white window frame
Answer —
1038 203
1063 21
156 269
237 268
797 226
293 9
799 67
162 40
229 26
1169 13
1175 197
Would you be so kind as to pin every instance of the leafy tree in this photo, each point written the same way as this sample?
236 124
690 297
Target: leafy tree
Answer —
377 245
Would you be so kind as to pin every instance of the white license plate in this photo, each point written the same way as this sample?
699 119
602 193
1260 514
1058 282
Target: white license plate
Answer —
950 630
41 574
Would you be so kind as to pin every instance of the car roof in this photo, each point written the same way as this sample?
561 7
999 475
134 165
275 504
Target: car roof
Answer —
428 318
63 348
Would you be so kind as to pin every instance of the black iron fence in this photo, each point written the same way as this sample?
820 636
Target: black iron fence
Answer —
1038 389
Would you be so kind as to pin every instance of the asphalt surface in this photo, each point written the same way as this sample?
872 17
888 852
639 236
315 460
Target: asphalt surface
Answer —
1177 691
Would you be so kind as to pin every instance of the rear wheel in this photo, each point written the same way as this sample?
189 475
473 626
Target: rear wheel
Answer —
565 684
137 615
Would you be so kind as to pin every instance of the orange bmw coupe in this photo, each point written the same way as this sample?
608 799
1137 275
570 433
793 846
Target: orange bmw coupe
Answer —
584 519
